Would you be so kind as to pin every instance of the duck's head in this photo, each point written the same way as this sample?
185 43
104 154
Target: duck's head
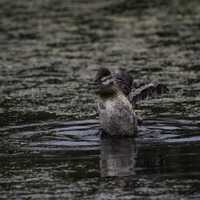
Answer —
104 83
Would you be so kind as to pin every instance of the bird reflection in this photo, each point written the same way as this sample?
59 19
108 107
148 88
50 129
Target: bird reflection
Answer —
118 157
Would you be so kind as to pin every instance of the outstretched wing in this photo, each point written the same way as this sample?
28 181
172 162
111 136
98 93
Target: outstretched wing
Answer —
148 90
137 90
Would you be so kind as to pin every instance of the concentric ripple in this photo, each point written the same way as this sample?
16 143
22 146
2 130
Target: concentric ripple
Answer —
70 160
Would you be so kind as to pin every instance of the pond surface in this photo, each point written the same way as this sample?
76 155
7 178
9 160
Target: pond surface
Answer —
50 146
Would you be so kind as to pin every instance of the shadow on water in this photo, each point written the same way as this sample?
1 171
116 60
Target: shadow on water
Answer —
118 157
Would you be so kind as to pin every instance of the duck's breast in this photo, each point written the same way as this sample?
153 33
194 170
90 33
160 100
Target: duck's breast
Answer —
117 116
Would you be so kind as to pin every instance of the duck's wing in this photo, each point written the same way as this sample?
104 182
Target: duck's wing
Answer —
123 80
147 90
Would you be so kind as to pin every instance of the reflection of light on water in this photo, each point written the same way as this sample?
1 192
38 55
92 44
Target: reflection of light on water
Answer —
117 157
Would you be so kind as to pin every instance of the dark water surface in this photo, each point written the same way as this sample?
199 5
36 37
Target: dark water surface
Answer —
50 146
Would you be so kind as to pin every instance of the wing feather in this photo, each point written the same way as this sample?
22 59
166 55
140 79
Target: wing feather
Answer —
148 90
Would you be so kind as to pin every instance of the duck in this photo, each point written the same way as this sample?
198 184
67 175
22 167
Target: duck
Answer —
117 93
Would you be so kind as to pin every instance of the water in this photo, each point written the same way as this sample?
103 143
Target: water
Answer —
50 145
71 161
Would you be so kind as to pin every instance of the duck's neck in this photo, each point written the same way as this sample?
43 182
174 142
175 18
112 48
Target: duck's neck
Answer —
109 94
